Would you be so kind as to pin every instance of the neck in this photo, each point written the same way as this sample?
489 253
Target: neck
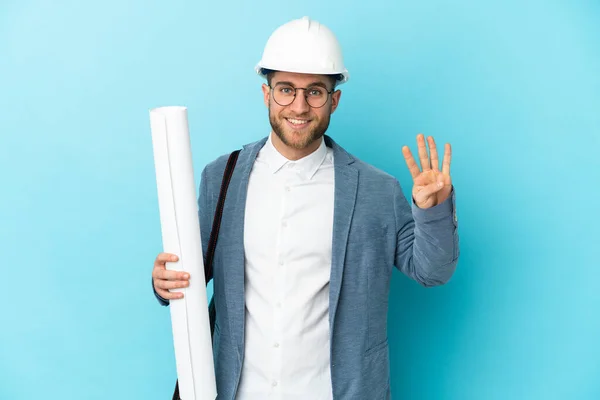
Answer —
292 153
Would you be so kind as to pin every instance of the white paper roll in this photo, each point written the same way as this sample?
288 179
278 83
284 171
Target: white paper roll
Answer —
181 236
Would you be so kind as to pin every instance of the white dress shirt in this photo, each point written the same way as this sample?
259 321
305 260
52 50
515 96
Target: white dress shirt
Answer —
287 241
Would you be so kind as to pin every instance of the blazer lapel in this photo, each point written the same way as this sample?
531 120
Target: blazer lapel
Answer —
234 278
346 185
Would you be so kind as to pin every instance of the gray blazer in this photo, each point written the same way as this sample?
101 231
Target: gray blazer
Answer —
374 229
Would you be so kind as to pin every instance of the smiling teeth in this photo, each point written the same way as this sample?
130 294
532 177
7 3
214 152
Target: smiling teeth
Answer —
297 121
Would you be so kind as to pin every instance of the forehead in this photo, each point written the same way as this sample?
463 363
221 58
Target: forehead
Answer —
300 79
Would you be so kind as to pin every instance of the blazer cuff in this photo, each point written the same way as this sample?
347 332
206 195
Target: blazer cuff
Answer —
161 300
446 209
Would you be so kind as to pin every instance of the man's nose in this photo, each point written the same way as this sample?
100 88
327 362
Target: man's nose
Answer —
300 105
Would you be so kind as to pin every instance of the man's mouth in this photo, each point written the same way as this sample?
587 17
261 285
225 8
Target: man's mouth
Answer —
297 123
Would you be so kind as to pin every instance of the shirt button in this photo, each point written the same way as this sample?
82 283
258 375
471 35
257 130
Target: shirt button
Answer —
278 304
284 224
276 345
287 189
274 383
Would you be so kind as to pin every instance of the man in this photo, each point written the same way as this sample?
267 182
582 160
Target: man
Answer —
308 240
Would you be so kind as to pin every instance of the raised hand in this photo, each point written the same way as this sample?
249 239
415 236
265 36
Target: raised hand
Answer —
430 185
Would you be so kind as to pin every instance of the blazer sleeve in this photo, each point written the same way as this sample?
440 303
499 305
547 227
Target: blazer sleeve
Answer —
204 216
427 245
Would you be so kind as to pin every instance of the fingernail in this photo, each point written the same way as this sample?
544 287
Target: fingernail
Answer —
174 258
186 276
440 184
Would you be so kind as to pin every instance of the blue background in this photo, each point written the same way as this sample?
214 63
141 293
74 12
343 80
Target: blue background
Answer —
513 86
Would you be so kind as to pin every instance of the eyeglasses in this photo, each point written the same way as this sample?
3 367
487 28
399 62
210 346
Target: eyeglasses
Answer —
284 94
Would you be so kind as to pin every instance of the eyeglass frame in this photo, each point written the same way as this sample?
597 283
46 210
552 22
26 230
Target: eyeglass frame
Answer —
329 92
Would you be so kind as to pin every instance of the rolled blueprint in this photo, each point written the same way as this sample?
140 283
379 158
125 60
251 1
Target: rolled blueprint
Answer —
181 236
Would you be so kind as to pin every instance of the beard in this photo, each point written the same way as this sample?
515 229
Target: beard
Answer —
298 139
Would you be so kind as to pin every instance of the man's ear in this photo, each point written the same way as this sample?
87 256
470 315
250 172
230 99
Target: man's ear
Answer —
335 100
266 94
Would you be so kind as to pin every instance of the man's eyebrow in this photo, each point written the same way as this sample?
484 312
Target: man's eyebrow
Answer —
284 83
316 83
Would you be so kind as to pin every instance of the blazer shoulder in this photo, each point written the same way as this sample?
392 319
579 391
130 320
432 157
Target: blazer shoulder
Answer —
214 170
372 173
216 165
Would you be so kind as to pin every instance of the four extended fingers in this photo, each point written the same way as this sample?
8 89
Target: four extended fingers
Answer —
427 161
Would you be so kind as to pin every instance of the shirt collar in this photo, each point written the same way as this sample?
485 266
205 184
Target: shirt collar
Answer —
306 166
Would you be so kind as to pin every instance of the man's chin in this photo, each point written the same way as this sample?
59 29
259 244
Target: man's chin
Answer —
298 139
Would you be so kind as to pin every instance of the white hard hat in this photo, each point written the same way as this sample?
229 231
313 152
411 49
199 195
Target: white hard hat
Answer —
303 46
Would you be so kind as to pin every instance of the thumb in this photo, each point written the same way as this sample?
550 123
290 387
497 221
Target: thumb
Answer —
427 191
